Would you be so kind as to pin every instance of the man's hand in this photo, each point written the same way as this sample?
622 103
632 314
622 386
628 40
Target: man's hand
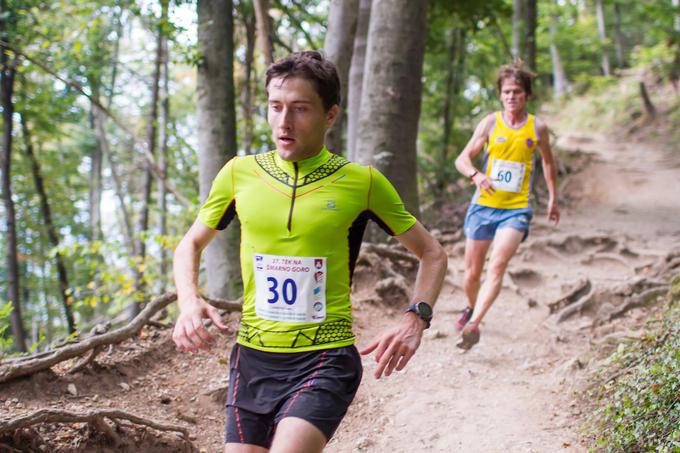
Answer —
190 334
395 347
553 212
484 183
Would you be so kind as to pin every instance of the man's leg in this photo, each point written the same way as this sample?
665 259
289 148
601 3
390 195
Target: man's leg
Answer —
505 245
475 253
243 448
295 435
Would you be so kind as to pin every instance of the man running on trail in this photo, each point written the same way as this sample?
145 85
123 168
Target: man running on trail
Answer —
295 370
500 211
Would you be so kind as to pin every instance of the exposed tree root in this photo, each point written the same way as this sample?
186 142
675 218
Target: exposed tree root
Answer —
93 354
391 265
582 288
97 419
573 244
577 307
27 365
610 303
639 300
392 253
607 256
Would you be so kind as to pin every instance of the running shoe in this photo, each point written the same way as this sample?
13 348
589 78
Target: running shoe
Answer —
470 336
464 318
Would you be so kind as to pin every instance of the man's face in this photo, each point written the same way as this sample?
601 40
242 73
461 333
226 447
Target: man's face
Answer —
513 96
298 120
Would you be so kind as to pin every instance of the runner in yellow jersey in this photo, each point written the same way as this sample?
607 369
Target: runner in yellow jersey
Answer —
500 211
295 369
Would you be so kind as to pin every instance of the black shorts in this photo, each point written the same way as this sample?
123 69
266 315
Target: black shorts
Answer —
265 387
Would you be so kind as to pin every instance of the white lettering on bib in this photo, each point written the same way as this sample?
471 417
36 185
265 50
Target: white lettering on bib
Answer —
507 175
290 288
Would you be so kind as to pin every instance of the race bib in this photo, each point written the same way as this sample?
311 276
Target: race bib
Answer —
290 288
507 175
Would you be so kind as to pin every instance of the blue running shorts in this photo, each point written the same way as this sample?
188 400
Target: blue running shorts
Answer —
481 222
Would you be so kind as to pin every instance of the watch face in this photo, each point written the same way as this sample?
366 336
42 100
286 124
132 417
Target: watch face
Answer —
424 310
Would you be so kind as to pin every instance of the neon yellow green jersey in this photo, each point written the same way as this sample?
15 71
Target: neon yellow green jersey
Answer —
301 228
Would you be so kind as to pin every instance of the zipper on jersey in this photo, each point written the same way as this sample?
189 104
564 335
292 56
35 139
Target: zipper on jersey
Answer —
292 201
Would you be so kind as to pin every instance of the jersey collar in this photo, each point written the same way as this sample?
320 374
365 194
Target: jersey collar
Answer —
304 167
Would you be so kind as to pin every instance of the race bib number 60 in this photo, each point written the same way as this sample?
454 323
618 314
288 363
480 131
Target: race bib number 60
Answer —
290 288
507 175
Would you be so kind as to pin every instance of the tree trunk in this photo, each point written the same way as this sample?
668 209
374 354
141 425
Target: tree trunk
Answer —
517 29
646 101
264 30
95 195
455 36
117 184
7 71
342 25
143 224
116 53
602 31
163 163
217 134
618 41
249 24
530 14
52 235
390 107
356 76
501 37
560 81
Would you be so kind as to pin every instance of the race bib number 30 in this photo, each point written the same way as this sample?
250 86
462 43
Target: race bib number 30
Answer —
507 175
290 288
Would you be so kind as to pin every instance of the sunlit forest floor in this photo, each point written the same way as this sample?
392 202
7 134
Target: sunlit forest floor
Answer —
521 389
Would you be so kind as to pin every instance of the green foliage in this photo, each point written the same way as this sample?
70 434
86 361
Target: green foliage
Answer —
640 411
5 341
660 59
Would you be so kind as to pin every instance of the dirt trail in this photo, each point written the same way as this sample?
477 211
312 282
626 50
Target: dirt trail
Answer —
515 391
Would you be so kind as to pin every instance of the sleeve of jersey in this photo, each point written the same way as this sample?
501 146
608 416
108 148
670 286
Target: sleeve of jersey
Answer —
219 208
385 204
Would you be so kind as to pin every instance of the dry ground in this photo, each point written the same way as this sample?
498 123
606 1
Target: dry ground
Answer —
518 390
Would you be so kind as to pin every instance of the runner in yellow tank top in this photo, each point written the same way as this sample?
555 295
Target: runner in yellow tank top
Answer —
509 161
500 210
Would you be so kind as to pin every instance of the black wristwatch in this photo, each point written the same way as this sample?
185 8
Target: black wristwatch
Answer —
423 310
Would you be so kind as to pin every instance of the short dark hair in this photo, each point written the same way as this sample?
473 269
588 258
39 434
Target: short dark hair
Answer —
310 65
518 72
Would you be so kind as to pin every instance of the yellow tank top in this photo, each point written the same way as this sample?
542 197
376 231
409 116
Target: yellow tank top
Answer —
509 161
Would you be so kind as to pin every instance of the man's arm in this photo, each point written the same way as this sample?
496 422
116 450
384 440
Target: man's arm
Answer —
190 334
395 347
549 169
472 149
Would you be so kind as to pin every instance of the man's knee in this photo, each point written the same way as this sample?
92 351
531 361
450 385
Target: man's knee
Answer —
497 268
472 277
295 434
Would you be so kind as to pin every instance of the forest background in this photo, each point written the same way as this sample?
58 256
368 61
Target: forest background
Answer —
117 114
